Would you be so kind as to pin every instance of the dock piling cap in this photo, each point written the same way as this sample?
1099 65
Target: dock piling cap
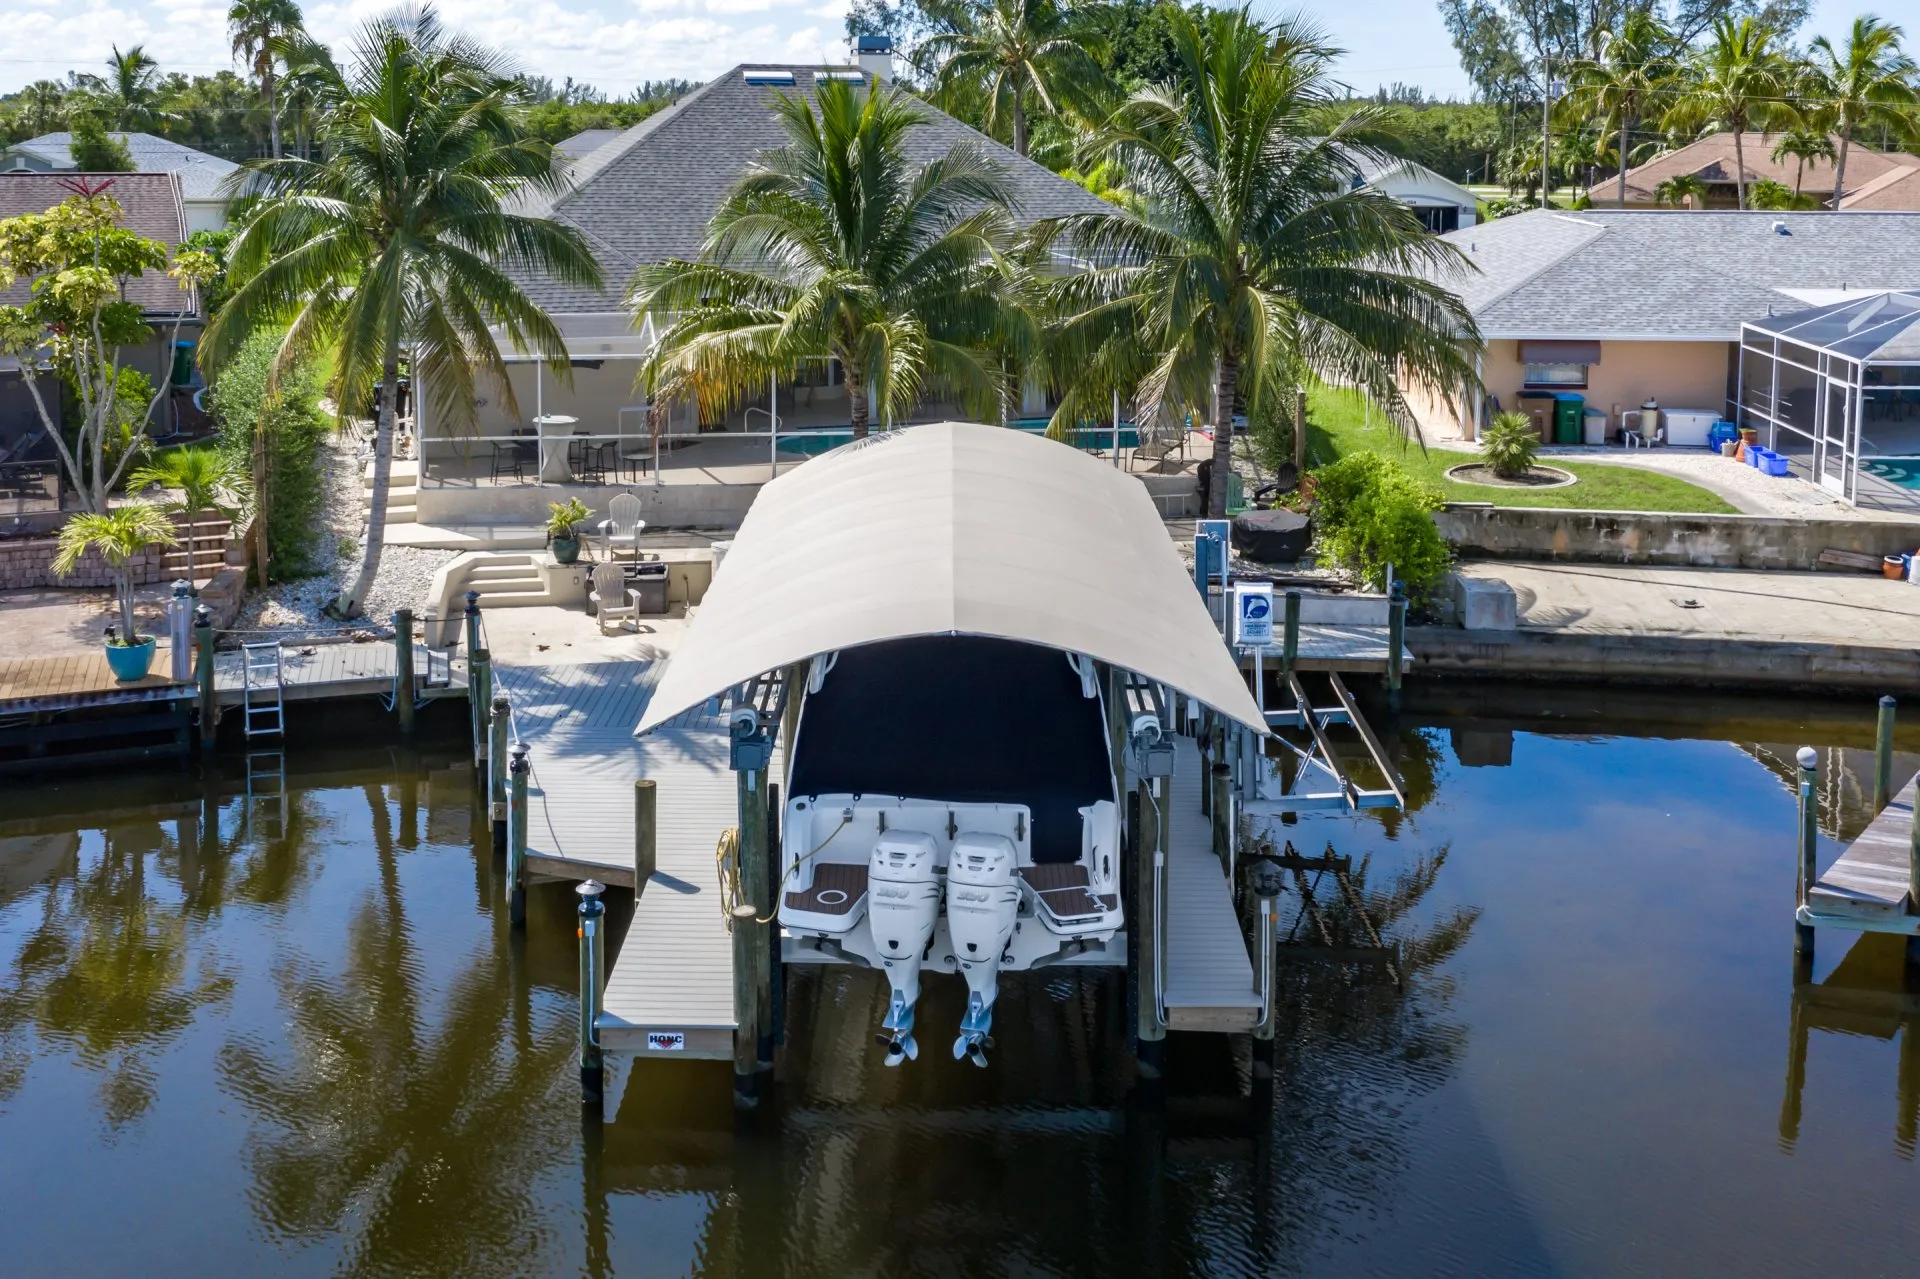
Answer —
590 889
1808 757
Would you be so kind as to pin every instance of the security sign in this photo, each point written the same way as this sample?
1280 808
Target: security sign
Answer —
1252 614
666 1041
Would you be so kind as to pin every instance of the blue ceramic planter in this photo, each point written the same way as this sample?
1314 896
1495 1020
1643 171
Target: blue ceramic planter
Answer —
130 661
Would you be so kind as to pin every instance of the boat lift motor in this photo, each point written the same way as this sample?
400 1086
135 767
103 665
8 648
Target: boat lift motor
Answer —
903 905
983 903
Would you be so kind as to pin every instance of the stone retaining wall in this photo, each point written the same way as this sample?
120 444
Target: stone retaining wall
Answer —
1695 541
28 561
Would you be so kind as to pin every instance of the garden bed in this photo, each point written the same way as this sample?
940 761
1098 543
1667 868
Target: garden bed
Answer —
1534 477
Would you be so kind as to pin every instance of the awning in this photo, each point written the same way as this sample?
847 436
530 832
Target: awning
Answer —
1545 352
953 529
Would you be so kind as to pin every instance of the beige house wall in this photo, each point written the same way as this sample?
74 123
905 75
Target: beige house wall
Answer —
1680 375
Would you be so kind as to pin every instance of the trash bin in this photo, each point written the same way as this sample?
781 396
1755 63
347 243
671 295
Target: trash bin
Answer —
1569 412
1596 426
648 581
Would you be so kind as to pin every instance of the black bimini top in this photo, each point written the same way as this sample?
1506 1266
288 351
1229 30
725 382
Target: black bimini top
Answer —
960 718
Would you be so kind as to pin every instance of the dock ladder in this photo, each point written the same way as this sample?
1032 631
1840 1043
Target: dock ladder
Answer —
267 795
263 688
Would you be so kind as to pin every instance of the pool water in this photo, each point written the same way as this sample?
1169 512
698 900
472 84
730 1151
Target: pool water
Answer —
1901 472
235 1043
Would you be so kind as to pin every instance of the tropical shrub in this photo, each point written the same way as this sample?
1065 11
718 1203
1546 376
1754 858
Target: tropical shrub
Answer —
1369 513
244 400
117 535
1510 444
565 518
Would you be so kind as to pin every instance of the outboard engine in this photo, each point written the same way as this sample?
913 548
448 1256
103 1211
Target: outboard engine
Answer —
983 901
903 904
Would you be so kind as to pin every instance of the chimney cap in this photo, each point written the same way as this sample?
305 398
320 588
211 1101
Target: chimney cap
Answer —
873 44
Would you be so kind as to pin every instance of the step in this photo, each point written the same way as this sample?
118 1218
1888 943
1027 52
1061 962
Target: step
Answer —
518 570
508 599
405 470
469 537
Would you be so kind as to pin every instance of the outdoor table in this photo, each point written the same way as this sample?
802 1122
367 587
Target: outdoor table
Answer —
553 461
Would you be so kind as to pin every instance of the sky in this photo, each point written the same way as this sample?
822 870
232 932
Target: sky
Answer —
616 44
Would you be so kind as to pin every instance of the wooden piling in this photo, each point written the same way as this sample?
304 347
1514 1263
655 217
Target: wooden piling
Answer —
517 838
473 631
1396 642
499 726
1809 842
1883 756
1149 863
403 690
646 801
1290 636
1221 780
756 892
480 698
593 967
203 674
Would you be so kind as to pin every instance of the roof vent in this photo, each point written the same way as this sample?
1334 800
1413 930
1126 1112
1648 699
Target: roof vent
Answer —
1780 228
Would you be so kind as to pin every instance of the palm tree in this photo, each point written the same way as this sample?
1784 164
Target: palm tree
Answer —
131 90
1011 51
1737 82
1623 83
1260 251
43 99
1803 145
117 535
1685 186
1869 81
254 26
837 244
206 480
399 237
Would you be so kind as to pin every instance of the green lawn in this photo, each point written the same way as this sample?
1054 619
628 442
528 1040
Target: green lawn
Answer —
1337 425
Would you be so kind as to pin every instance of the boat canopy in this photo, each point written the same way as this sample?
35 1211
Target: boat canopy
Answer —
953 529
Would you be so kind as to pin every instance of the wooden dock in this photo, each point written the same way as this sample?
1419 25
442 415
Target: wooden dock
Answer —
1867 888
1209 974
1323 647
34 684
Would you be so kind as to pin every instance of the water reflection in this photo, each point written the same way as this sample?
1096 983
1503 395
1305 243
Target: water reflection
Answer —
1873 993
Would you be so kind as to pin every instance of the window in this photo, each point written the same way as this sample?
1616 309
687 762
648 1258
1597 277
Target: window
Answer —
1557 377
1438 219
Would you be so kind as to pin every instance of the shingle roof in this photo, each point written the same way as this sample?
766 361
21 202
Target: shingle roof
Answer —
1638 273
648 195
200 173
585 142
1711 158
150 205
1896 189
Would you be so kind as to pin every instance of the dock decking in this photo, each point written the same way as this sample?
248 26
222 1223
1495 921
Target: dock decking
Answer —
1326 647
1869 885
1209 973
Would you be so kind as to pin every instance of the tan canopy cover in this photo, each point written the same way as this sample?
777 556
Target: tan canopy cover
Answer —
953 529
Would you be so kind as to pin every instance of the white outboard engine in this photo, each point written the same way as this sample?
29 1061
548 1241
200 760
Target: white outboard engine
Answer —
903 904
983 901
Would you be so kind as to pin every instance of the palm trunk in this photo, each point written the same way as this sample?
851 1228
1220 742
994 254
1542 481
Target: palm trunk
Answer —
1739 169
193 527
273 109
125 584
1019 122
355 599
1840 168
857 401
1626 133
1222 436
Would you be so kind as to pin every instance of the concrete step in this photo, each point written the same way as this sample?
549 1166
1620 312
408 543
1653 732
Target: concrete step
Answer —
404 471
469 536
510 599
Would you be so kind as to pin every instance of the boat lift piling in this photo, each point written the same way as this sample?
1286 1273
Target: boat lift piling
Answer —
1883 755
499 725
404 691
517 839
593 970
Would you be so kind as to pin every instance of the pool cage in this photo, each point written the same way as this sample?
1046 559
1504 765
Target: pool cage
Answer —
1836 390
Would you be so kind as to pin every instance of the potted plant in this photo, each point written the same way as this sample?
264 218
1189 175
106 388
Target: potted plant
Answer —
118 535
563 528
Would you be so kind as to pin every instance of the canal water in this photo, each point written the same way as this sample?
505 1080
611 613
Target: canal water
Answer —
293 1035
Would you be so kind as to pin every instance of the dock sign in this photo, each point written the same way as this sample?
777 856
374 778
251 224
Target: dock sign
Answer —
666 1041
1252 614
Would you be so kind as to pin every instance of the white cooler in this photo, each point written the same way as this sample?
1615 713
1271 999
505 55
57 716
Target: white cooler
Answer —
1687 428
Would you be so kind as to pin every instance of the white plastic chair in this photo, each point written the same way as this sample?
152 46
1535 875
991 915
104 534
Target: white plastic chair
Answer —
612 597
622 528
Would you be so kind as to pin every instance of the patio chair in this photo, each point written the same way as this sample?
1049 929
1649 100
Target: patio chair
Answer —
620 531
587 460
612 597
511 457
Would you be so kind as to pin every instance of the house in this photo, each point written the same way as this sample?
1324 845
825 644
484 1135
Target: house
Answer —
1877 180
647 195
152 205
1442 205
200 174
585 143
1621 307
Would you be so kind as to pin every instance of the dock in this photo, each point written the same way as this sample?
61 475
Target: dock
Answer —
1869 887
1209 974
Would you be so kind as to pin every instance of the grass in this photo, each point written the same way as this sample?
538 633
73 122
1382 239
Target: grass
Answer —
1337 425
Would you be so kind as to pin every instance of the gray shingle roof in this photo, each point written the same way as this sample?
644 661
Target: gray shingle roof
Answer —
150 206
585 142
200 173
648 195
1640 273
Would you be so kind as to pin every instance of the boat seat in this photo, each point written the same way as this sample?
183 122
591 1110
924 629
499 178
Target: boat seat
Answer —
837 889
1062 888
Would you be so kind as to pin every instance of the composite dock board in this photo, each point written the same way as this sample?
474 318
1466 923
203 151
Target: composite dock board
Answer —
1869 881
1209 973
1323 647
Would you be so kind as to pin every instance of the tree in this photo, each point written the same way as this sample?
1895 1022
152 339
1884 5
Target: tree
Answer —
1869 81
130 93
836 244
78 324
1685 186
1261 249
1621 84
117 535
1803 145
254 26
1738 81
399 237
1013 50
46 103
94 150
204 478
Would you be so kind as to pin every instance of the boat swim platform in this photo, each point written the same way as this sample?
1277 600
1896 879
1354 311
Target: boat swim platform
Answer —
1867 887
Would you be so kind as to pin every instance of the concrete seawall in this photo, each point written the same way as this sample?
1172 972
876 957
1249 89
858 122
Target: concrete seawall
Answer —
1698 541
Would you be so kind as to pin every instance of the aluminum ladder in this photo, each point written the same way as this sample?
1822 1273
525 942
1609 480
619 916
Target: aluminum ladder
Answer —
260 673
266 815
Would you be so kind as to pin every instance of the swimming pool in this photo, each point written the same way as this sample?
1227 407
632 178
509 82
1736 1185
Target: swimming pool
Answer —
1901 472
810 441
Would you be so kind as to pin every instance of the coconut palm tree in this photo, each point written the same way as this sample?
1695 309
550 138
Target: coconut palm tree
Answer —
1260 250
1623 84
1802 145
1868 81
1738 81
43 100
1013 52
1687 187
117 535
254 26
836 244
130 92
399 236
205 479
